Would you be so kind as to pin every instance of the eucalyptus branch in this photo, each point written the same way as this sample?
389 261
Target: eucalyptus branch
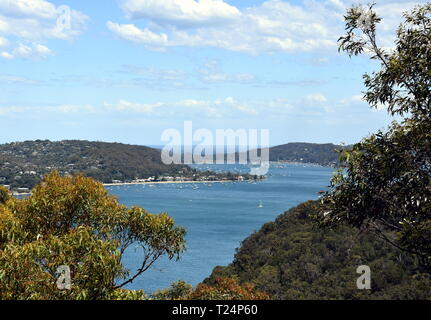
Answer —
144 267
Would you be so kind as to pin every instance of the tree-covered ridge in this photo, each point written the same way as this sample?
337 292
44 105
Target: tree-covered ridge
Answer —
326 154
23 164
291 258
323 154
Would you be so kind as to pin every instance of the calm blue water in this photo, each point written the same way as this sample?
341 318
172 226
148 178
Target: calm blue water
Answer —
217 217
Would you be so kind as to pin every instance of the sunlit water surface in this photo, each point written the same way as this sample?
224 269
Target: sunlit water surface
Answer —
217 216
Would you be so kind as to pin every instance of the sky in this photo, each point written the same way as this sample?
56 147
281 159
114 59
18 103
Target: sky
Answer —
127 70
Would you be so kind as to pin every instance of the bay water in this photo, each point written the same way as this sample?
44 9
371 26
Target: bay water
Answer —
217 216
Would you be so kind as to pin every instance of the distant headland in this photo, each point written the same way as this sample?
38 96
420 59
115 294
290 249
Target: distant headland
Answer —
23 164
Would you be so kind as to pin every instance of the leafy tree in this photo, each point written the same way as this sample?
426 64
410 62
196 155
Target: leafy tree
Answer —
385 184
227 289
179 290
221 288
72 221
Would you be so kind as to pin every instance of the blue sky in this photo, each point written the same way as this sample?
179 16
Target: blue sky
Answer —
127 70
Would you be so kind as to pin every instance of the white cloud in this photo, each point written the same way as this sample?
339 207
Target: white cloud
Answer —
28 8
11 110
25 8
320 61
180 12
11 79
70 109
4 26
357 98
357 103
29 51
6 55
127 106
23 51
189 107
310 107
43 50
336 4
272 26
134 34
215 109
35 21
392 12
218 108
33 28
4 42
316 98
316 102
156 73
212 72
38 110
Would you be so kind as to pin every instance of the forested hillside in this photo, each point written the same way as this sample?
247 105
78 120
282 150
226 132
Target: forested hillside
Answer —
23 164
292 259
312 153
323 154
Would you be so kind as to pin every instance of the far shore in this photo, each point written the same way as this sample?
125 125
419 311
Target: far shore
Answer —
314 164
152 182
172 182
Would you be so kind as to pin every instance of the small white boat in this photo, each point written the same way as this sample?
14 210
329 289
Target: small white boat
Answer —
260 204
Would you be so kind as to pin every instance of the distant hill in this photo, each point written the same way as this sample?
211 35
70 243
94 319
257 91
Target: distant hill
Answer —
22 164
323 154
292 259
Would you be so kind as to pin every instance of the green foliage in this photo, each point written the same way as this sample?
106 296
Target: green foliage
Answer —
122 294
222 288
72 221
386 184
4 195
403 83
227 289
177 291
293 259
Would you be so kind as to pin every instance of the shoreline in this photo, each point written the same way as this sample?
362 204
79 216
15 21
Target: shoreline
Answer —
172 182
313 164
150 183
281 162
